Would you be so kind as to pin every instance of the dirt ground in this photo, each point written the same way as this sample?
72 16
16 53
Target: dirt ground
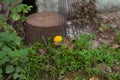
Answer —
110 27
106 34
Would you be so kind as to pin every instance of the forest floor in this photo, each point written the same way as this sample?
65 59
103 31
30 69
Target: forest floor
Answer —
108 33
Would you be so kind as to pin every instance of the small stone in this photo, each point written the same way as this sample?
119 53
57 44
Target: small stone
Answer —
69 22
108 69
96 44
94 78
115 46
113 25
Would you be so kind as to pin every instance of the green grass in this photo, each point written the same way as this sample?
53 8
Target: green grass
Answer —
83 60
78 63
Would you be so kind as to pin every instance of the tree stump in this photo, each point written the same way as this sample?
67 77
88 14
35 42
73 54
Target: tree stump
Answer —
46 24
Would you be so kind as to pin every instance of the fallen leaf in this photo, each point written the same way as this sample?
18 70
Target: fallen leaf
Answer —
42 51
70 47
35 54
105 41
67 42
66 78
101 29
57 44
116 68
94 78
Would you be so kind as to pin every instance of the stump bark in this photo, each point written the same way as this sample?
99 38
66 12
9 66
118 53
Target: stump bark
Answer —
46 24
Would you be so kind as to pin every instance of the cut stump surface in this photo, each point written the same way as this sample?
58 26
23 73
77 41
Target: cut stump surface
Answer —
46 24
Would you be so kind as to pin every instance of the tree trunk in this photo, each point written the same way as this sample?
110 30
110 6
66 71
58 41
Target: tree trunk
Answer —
64 5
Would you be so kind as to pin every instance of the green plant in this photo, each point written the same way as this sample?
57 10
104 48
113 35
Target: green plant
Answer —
103 28
83 42
16 9
13 58
15 13
4 26
59 61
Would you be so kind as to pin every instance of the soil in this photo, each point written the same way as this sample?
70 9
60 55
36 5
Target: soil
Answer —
112 23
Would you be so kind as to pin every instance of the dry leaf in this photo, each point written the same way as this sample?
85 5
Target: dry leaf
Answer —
42 51
35 54
70 47
67 41
68 44
105 41
94 78
66 78
57 44
101 29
